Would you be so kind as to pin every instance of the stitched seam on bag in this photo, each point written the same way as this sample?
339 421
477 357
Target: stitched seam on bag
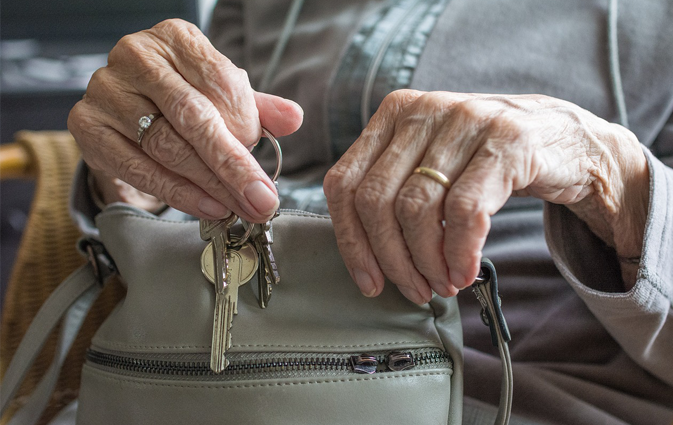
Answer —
191 222
99 375
207 347
321 217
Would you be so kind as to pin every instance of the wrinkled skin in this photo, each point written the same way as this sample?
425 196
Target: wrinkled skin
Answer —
388 221
197 157
426 238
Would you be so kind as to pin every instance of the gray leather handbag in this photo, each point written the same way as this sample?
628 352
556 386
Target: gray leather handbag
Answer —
320 353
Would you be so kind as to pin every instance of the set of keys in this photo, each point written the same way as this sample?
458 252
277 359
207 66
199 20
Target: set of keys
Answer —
229 262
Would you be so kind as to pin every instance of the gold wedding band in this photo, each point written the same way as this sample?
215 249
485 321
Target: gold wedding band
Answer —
434 175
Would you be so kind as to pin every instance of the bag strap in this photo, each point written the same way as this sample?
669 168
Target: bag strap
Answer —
75 296
71 301
485 288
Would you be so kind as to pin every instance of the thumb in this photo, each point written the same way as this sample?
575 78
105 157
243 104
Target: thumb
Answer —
280 116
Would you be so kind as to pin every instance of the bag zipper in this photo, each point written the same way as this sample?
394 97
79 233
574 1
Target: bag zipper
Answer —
270 365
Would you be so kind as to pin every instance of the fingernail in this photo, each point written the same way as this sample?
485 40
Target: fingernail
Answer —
211 207
457 279
439 288
261 197
365 282
299 108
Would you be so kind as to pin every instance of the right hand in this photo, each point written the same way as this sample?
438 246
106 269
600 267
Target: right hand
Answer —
197 157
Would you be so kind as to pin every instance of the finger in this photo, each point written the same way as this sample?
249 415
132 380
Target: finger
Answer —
377 199
388 208
341 184
280 116
420 211
198 121
420 203
127 162
495 170
162 143
211 73
226 85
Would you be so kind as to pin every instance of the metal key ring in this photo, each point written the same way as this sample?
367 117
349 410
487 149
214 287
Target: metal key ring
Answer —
279 165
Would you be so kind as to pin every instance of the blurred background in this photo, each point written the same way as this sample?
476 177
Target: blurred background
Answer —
48 51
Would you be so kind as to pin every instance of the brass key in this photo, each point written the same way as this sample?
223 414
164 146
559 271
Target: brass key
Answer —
217 231
242 263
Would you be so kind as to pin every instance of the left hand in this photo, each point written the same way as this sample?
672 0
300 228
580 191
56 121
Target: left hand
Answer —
424 237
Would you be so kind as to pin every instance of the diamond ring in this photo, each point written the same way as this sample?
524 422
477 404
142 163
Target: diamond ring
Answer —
145 122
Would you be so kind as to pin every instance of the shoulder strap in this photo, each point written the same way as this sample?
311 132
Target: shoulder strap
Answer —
486 290
72 301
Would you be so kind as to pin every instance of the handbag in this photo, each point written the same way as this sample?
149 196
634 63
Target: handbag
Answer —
320 353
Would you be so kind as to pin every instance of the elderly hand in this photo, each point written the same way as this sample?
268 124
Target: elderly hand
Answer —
196 157
423 237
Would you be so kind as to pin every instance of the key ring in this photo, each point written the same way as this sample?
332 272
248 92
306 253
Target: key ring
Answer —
279 166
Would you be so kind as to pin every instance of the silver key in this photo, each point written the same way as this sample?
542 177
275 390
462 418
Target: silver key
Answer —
217 231
242 264
268 271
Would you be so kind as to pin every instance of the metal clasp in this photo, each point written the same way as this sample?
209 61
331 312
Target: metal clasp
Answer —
103 265
485 288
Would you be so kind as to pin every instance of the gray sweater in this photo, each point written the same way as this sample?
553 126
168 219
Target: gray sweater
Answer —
584 352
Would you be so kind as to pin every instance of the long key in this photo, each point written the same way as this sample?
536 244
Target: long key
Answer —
217 231
242 264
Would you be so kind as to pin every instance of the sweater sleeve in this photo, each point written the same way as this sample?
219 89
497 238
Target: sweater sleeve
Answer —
226 30
640 320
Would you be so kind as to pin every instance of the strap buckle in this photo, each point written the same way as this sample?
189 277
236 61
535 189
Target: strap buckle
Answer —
102 263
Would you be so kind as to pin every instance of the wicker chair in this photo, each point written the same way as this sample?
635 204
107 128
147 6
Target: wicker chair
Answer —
46 256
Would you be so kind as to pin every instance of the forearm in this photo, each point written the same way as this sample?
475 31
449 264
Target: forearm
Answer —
640 320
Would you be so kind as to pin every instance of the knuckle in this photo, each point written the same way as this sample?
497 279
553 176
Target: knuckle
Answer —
174 193
369 196
463 205
150 74
411 205
236 163
102 87
336 182
166 147
75 117
504 126
127 49
194 115
213 183
136 172
171 26
84 124
400 97
469 111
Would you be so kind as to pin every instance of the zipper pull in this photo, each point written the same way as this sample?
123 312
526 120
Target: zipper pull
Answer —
364 363
398 361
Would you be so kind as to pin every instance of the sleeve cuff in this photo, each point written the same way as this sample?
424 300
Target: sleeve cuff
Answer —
592 268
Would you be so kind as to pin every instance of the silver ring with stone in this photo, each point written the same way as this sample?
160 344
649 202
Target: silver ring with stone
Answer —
144 124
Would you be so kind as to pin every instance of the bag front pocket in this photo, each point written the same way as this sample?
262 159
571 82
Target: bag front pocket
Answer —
401 386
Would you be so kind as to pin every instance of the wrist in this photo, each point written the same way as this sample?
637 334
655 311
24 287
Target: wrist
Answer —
616 210
105 190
